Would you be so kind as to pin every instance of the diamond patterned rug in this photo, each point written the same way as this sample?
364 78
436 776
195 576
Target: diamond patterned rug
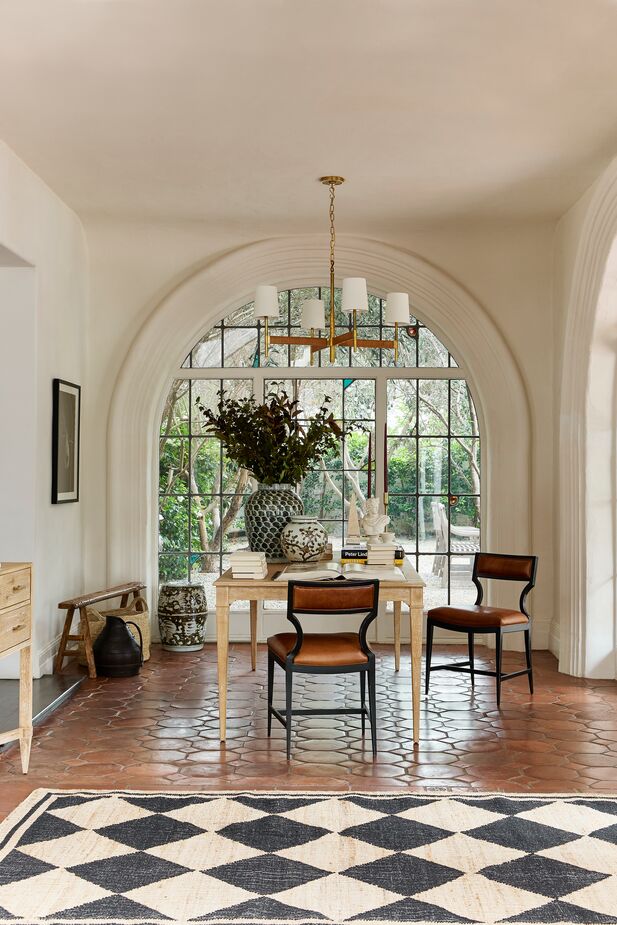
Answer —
307 858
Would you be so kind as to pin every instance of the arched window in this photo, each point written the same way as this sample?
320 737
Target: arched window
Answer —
420 412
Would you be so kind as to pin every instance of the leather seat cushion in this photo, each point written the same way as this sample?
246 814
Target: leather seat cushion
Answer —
477 617
320 650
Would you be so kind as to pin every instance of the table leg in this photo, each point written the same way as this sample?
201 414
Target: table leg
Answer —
253 635
25 706
397 635
222 647
415 632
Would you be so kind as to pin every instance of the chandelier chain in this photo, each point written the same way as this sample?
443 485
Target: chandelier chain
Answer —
332 232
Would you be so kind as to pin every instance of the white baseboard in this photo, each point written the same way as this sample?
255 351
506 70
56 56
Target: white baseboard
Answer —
553 638
46 657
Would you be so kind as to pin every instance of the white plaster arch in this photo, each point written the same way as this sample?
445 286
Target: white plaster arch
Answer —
226 284
580 603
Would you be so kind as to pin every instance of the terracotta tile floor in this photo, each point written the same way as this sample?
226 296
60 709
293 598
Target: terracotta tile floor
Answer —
159 731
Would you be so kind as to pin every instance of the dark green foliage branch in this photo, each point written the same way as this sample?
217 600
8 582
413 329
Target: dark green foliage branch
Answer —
269 439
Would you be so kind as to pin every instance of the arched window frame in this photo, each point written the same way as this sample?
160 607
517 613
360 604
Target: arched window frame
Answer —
261 375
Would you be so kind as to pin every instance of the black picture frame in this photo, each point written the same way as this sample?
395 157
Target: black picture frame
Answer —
65 455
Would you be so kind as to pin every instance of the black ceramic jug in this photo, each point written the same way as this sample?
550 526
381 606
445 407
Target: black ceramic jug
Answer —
116 653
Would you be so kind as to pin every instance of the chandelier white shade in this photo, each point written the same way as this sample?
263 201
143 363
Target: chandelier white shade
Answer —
313 314
355 295
266 302
397 308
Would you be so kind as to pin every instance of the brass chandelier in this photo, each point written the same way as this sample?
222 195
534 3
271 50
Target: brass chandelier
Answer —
354 302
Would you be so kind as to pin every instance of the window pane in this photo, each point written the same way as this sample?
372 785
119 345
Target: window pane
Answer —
464 466
462 590
433 407
373 315
174 465
240 347
356 447
431 352
402 404
334 529
433 465
207 392
206 465
279 353
205 523
204 392
174 524
322 494
175 419
465 524
407 347
312 394
173 568
402 452
433 524
359 399
233 527
355 482
403 519
236 480
244 317
463 419
208 351
434 571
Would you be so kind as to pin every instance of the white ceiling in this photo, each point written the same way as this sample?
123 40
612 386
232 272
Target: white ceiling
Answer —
226 111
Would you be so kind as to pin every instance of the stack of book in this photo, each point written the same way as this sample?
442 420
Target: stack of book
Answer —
380 554
245 564
359 553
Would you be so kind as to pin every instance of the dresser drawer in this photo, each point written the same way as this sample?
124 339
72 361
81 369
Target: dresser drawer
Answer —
14 588
15 626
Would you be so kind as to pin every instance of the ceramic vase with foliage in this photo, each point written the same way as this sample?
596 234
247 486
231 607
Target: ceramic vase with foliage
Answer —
272 442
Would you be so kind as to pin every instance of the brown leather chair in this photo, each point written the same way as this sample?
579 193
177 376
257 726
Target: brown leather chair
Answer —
478 619
325 653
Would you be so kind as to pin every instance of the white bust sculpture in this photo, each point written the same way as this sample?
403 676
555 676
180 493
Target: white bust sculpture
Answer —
373 523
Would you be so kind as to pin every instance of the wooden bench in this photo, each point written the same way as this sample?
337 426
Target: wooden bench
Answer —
81 604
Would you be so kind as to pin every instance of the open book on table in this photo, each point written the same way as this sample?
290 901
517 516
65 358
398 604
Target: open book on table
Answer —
322 571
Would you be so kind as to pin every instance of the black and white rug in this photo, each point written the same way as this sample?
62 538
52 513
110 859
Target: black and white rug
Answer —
118 857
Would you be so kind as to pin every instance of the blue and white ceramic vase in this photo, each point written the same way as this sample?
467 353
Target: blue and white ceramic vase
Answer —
265 514
304 539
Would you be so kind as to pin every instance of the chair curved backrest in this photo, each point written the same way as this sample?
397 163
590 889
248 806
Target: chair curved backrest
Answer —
305 598
502 567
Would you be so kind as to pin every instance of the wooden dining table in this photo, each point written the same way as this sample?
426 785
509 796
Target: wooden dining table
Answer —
408 590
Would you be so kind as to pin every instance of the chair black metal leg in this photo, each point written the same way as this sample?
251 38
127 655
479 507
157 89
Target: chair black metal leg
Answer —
429 652
372 706
471 664
498 649
528 658
288 696
363 699
270 690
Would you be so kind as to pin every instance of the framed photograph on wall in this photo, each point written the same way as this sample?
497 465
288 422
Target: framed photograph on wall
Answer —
65 442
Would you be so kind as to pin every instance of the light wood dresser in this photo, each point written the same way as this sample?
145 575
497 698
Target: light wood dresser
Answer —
16 636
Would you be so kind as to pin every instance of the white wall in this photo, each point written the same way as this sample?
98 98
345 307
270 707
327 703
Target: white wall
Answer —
508 269
38 230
